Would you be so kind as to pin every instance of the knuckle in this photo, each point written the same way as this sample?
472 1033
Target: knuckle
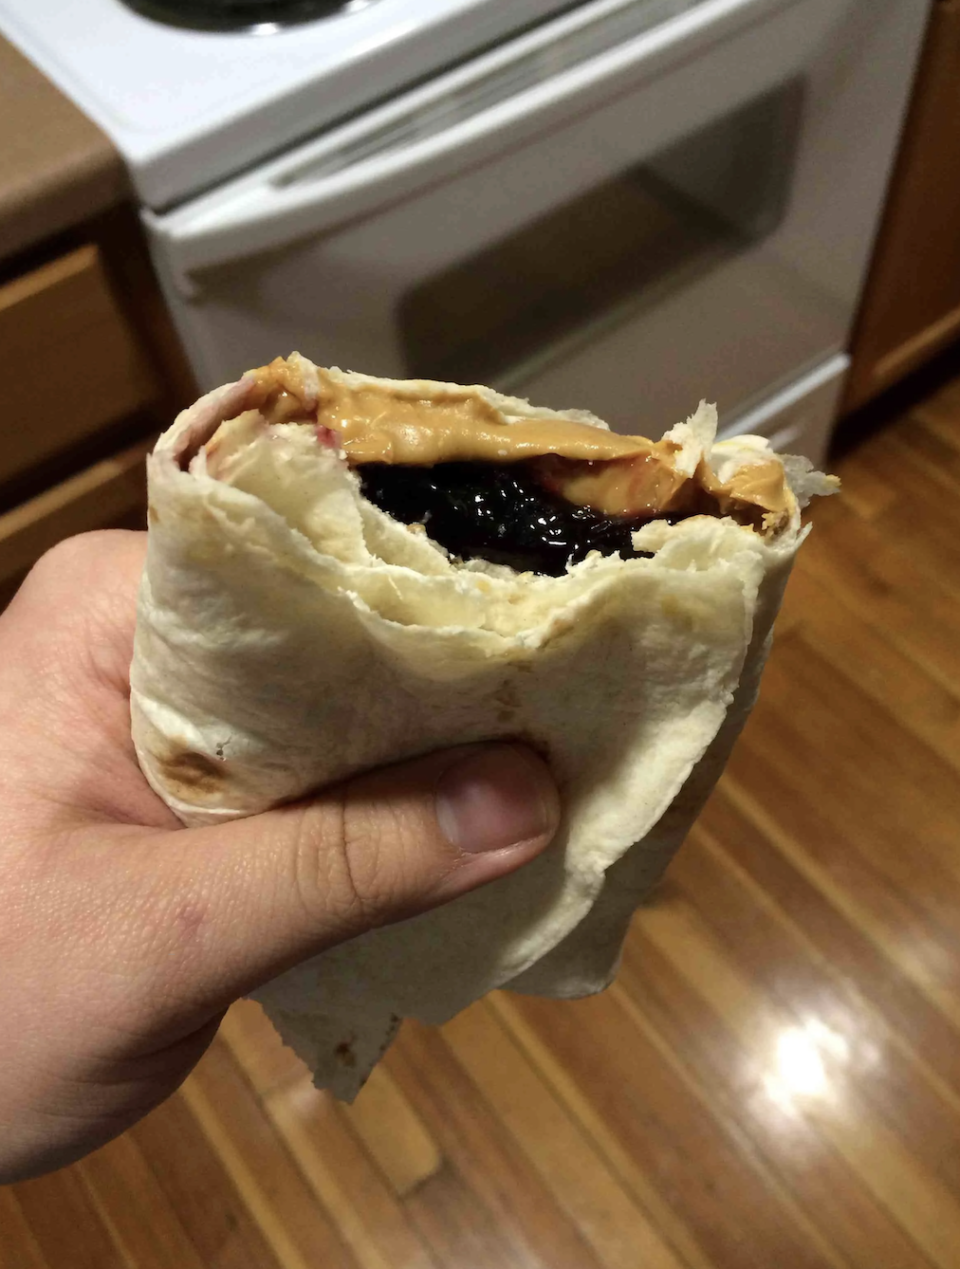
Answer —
344 863
325 885
70 561
69 552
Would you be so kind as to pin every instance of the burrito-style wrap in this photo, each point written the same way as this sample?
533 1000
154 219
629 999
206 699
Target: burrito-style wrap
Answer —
345 571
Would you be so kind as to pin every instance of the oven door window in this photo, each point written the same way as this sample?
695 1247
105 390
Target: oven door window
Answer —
608 255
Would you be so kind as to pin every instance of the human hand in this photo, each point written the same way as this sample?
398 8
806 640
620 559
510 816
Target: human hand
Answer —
124 936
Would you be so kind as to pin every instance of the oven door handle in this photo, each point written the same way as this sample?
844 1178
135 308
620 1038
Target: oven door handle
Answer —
374 162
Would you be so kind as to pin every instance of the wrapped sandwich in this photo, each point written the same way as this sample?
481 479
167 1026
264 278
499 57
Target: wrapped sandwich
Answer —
346 571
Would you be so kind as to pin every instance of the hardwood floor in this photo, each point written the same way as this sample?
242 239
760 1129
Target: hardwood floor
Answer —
774 1079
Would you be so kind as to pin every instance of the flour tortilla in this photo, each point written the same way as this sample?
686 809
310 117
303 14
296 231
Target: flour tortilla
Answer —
290 634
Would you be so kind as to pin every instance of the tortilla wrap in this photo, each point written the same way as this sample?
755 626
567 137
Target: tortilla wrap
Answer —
290 634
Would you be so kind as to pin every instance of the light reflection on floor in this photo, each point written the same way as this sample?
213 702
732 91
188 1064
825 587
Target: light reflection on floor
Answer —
811 1062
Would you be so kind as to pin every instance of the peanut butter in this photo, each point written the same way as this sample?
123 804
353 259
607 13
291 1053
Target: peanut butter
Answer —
618 475
458 427
761 484
646 484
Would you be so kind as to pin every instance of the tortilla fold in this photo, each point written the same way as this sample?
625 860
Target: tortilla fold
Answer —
290 634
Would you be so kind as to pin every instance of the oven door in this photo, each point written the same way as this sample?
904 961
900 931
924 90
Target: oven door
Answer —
630 207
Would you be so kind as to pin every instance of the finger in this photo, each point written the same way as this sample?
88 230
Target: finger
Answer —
230 906
77 608
65 649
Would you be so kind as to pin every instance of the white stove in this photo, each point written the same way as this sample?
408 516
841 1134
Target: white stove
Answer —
187 108
623 205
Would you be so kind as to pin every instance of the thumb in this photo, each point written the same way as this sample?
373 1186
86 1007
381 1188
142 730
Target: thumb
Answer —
239 902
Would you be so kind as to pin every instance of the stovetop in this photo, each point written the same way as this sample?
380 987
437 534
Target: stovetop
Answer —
261 17
189 107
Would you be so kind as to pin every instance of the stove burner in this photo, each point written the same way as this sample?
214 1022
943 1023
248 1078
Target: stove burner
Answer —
260 17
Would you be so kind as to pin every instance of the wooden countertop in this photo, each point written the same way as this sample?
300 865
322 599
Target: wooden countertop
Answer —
56 167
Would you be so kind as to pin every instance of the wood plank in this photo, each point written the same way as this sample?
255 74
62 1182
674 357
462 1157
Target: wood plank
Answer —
132 1205
393 1134
500 1189
863 568
701 1167
820 1060
867 493
859 651
19 1248
921 465
920 788
808 1228
746 1087
293 1222
368 1216
892 1077
591 1123
807 836
200 1190
939 413
66 1225
936 452
925 523
617 1229
266 1061
861 963
442 1215
814 721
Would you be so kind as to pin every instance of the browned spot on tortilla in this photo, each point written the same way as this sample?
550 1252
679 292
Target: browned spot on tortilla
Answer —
345 1055
186 770
153 515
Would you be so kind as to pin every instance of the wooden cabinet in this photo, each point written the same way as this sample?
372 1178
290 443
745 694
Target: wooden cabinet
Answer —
70 363
106 494
91 371
911 305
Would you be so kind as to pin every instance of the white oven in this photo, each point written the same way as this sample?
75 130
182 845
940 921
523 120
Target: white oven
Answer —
633 205
625 206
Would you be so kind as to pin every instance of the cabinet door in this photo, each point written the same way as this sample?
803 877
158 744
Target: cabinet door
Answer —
68 361
112 492
911 307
